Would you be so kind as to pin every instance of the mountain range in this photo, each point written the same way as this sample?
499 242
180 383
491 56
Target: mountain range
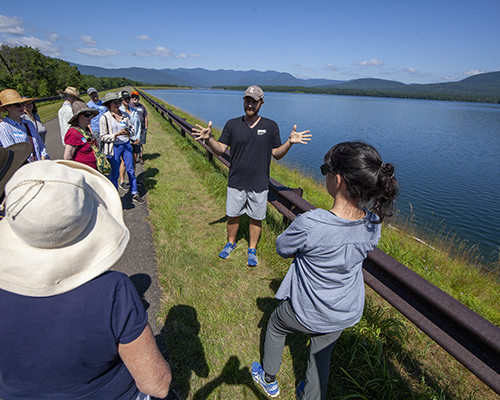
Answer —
482 85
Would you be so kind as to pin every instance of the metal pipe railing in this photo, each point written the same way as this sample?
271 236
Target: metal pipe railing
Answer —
470 338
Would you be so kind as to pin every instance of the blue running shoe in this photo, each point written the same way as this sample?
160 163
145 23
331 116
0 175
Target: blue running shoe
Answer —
300 390
258 374
252 258
228 248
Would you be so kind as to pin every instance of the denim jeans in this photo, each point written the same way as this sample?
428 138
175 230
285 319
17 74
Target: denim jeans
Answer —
123 150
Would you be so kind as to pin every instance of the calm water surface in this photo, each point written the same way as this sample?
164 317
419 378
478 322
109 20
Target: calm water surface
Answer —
447 154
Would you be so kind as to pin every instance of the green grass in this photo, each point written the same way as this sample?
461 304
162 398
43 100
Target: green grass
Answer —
215 311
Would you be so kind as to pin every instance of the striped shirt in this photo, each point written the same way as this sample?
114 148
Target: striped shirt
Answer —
12 132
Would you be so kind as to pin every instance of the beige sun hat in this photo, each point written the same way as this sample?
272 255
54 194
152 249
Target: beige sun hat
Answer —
72 91
63 226
10 96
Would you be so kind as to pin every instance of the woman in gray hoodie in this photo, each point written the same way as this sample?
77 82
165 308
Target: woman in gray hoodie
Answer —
323 292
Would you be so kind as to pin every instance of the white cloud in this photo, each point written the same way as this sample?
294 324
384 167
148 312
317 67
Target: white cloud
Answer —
92 52
11 25
162 51
53 37
46 47
142 37
372 63
331 67
473 72
88 40
190 55
410 70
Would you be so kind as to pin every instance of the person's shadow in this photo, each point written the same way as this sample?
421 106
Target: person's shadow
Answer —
231 374
179 343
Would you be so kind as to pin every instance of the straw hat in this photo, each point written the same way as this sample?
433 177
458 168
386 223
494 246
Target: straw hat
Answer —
10 96
72 91
11 158
63 226
78 108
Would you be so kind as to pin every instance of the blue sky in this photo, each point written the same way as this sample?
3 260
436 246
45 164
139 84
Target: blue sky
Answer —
408 41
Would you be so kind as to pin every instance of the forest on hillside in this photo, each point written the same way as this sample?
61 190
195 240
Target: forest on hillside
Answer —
374 93
33 74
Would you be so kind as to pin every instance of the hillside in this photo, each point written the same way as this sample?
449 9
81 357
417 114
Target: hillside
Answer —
199 77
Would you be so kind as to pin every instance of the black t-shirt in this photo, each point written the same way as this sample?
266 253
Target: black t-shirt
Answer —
251 151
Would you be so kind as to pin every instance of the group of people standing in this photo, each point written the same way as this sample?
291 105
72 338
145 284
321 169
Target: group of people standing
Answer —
69 328
114 152
108 135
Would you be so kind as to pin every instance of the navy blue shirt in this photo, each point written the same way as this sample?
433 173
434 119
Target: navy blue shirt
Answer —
251 151
66 346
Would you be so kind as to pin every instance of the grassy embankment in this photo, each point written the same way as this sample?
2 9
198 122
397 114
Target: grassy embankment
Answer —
215 311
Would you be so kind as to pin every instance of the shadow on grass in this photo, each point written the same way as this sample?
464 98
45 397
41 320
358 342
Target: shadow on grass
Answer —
231 374
147 177
150 156
179 343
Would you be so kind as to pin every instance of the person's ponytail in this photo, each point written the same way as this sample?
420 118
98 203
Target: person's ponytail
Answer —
370 181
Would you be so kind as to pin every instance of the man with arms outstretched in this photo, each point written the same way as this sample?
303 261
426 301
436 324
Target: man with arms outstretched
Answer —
253 140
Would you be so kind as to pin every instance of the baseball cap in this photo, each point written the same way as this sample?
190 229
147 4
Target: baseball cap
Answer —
91 90
254 92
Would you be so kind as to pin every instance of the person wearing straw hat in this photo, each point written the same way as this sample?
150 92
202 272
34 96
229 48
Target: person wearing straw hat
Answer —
69 328
79 139
14 129
69 95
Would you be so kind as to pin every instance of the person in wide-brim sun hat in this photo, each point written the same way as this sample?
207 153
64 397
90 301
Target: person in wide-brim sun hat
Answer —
69 328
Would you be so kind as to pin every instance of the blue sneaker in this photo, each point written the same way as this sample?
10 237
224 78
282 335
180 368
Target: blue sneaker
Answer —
258 374
300 390
252 258
228 248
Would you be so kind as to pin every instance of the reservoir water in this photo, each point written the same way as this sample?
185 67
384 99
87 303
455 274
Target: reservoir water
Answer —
447 154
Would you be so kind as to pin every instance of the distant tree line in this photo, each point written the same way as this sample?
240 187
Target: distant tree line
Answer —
32 74
159 85
372 93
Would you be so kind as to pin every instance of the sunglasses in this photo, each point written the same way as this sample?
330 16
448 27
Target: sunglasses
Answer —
126 98
18 105
87 115
117 102
135 97
323 168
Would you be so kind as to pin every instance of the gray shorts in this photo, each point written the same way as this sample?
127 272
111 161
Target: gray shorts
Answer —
253 204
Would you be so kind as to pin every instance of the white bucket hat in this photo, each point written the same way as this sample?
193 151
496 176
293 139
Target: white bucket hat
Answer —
63 226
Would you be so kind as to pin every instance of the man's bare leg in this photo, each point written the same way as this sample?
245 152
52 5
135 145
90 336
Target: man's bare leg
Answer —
233 224
255 230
